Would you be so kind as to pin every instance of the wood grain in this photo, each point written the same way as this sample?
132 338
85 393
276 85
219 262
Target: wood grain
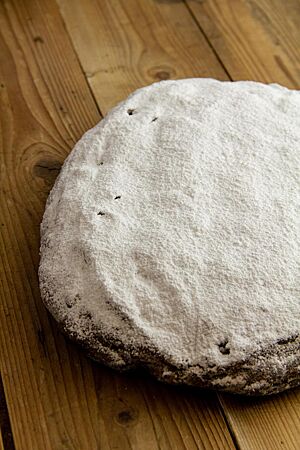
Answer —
252 41
57 398
258 40
263 423
123 45
45 106
255 39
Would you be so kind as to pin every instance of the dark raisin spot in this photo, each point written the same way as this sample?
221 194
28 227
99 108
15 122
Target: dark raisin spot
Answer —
130 112
154 119
101 213
117 197
223 347
100 163
71 301
288 340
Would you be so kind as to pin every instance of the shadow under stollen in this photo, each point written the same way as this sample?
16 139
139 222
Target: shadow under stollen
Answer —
141 376
121 401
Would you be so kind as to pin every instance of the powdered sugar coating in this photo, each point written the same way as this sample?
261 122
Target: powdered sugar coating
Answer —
173 229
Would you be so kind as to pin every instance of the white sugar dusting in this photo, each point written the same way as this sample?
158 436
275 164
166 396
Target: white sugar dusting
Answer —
180 213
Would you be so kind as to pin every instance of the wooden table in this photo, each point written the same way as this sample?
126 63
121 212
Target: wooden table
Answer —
63 65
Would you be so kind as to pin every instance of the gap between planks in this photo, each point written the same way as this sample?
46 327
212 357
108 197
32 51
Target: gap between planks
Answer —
6 437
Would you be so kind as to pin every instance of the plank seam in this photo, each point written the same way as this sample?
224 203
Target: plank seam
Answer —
227 422
5 425
212 48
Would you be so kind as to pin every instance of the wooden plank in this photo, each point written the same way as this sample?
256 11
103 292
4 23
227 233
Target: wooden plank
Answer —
263 423
45 106
174 418
123 45
255 39
57 398
258 40
249 50
1 442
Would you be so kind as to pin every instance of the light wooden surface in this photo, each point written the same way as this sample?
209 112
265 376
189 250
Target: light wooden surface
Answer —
1 442
63 65
256 39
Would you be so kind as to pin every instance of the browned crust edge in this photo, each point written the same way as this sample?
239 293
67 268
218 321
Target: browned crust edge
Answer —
253 375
